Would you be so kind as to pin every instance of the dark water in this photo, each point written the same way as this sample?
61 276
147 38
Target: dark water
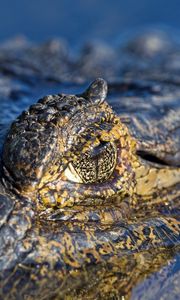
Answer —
79 21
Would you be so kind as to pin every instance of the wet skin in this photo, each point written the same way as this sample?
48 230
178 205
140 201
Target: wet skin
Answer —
89 205
86 173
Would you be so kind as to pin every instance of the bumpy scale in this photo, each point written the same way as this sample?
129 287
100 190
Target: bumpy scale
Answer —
70 158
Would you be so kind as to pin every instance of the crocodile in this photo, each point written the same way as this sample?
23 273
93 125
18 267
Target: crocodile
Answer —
89 197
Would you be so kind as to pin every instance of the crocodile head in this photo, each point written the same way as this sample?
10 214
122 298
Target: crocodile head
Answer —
70 149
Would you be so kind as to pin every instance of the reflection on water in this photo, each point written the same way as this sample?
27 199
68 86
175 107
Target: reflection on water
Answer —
162 284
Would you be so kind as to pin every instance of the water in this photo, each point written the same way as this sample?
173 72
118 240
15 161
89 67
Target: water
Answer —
79 21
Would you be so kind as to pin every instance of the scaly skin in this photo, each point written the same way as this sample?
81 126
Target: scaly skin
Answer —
58 131
65 229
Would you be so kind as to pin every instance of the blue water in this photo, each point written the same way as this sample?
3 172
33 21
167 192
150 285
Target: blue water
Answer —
81 20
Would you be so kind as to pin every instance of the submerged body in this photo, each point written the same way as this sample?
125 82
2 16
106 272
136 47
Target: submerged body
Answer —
89 199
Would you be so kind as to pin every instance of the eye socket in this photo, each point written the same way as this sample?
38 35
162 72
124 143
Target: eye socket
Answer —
94 166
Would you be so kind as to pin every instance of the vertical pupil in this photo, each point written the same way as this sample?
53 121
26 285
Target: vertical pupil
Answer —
98 165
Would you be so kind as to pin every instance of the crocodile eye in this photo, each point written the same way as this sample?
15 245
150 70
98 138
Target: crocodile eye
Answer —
94 166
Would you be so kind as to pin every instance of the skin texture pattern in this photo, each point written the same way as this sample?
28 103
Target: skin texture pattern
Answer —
79 194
